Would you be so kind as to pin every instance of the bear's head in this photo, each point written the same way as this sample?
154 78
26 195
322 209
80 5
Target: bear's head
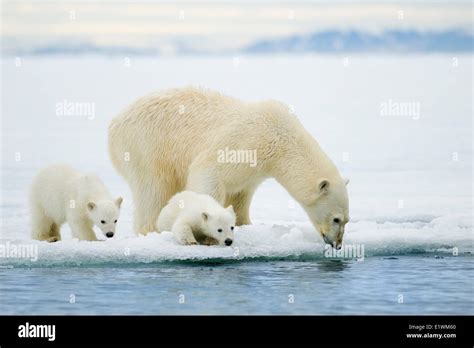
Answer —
104 214
220 226
329 211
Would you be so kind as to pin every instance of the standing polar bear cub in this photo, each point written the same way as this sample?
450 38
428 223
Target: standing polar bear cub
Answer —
61 194
196 218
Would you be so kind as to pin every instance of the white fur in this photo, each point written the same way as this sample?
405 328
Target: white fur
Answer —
167 142
61 194
197 218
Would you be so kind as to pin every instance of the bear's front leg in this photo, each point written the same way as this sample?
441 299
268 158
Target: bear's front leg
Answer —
183 233
82 230
209 241
206 180
241 203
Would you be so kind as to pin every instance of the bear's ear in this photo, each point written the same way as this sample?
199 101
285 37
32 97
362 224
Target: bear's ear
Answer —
119 201
346 181
323 185
205 216
230 209
90 206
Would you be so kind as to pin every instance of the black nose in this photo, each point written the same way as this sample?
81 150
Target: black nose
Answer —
109 234
228 241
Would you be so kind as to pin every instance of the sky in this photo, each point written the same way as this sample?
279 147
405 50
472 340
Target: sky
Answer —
212 25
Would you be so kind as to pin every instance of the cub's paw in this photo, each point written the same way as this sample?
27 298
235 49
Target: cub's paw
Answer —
188 242
210 241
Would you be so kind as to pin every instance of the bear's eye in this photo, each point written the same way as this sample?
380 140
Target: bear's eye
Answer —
102 222
219 230
336 220
232 228
115 221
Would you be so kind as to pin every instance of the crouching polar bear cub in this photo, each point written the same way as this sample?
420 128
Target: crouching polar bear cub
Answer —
197 218
61 194
173 140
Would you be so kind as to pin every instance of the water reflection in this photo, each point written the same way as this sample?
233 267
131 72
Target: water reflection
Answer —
333 265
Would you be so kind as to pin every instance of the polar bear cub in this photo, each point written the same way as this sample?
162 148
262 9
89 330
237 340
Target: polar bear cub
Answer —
61 194
196 218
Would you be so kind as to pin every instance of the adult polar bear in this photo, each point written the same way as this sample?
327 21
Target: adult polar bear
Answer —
170 141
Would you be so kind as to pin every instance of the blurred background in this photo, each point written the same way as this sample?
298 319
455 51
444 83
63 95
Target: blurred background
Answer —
230 27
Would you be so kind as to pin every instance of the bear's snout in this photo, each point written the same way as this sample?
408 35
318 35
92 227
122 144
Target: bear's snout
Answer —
228 241
327 240
109 234
337 244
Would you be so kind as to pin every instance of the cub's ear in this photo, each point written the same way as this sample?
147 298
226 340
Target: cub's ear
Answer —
346 181
119 201
205 216
90 206
323 185
230 209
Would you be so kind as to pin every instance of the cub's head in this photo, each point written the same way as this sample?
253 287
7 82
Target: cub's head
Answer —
329 212
220 226
104 214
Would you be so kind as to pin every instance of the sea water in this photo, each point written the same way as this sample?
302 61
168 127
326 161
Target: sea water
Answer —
405 284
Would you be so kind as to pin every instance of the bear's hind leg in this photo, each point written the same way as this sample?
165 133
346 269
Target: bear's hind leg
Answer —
55 236
149 198
43 227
